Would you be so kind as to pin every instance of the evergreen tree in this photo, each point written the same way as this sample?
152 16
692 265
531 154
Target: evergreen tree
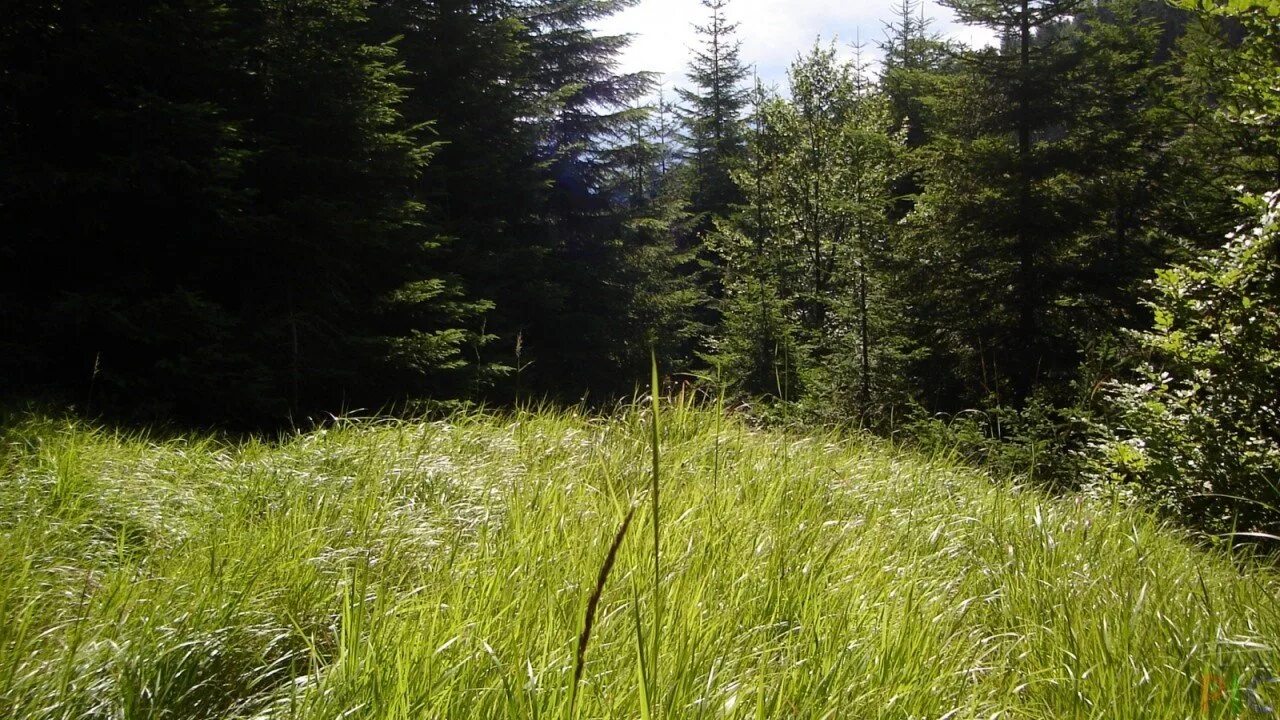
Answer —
804 252
755 347
915 63
209 210
1118 186
347 278
712 112
989 232
657 313
470 72
524 96
913 57
592 106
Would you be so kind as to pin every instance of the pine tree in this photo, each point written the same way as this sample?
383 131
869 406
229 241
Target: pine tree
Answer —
988 227
916 62
712 112
470 73
591 106
241 239
348 277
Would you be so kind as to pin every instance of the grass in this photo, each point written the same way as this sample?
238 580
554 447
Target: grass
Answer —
392 569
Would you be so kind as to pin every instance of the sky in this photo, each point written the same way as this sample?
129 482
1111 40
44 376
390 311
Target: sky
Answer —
771 31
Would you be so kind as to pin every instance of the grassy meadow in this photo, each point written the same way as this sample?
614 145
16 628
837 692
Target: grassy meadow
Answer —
396 569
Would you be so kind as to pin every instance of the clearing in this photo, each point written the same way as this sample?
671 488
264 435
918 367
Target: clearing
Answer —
395 569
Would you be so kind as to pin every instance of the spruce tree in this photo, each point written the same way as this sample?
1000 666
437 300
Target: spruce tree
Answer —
656 313
988 226
348 278
803 255
1118 189
755 342
913 57
530 111
712 111
591 105
210 212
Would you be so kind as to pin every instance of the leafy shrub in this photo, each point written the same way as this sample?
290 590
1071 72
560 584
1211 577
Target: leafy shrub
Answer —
1198 429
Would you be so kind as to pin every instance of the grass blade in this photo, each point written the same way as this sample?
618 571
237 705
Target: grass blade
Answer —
654 430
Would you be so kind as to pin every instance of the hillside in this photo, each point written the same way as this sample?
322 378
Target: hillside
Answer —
390 569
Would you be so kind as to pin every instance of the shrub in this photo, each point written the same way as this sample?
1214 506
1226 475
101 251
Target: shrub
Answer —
1198 428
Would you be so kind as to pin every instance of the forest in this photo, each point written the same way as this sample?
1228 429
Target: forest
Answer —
411 359
1056 251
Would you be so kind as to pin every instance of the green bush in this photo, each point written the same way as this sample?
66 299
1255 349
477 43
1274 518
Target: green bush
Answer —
1198 429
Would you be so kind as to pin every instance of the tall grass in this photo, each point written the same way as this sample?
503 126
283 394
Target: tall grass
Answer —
655 432
388 569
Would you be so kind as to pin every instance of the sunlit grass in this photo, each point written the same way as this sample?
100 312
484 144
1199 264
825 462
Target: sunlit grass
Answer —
390 569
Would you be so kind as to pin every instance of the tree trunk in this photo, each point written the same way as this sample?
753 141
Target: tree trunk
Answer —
864 339
1028 301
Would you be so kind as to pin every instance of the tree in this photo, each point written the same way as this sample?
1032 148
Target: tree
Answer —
989 234
347 280
658 312
804 251
756 347
913 58
1118 184
530 111
1197 430
712 112
1196 427
592 106
1228 101
209 211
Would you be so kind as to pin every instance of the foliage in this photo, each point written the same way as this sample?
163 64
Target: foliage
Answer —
806 293
1196 429
209 214
1230 103
1199 429
530 112
712 112
245 213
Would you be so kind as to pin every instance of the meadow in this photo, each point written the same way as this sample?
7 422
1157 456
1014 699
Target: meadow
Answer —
443 569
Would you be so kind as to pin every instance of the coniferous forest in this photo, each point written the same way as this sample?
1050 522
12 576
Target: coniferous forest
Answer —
409 359
1057 251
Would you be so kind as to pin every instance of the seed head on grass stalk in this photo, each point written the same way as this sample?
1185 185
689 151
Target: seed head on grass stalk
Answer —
657 569
589 619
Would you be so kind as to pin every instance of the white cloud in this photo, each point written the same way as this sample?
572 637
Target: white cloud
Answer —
772 31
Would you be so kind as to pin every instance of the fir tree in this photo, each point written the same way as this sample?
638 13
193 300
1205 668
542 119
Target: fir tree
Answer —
212 209
988 194
803 252
712 111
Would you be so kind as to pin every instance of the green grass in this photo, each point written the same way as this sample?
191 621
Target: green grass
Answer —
388 569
